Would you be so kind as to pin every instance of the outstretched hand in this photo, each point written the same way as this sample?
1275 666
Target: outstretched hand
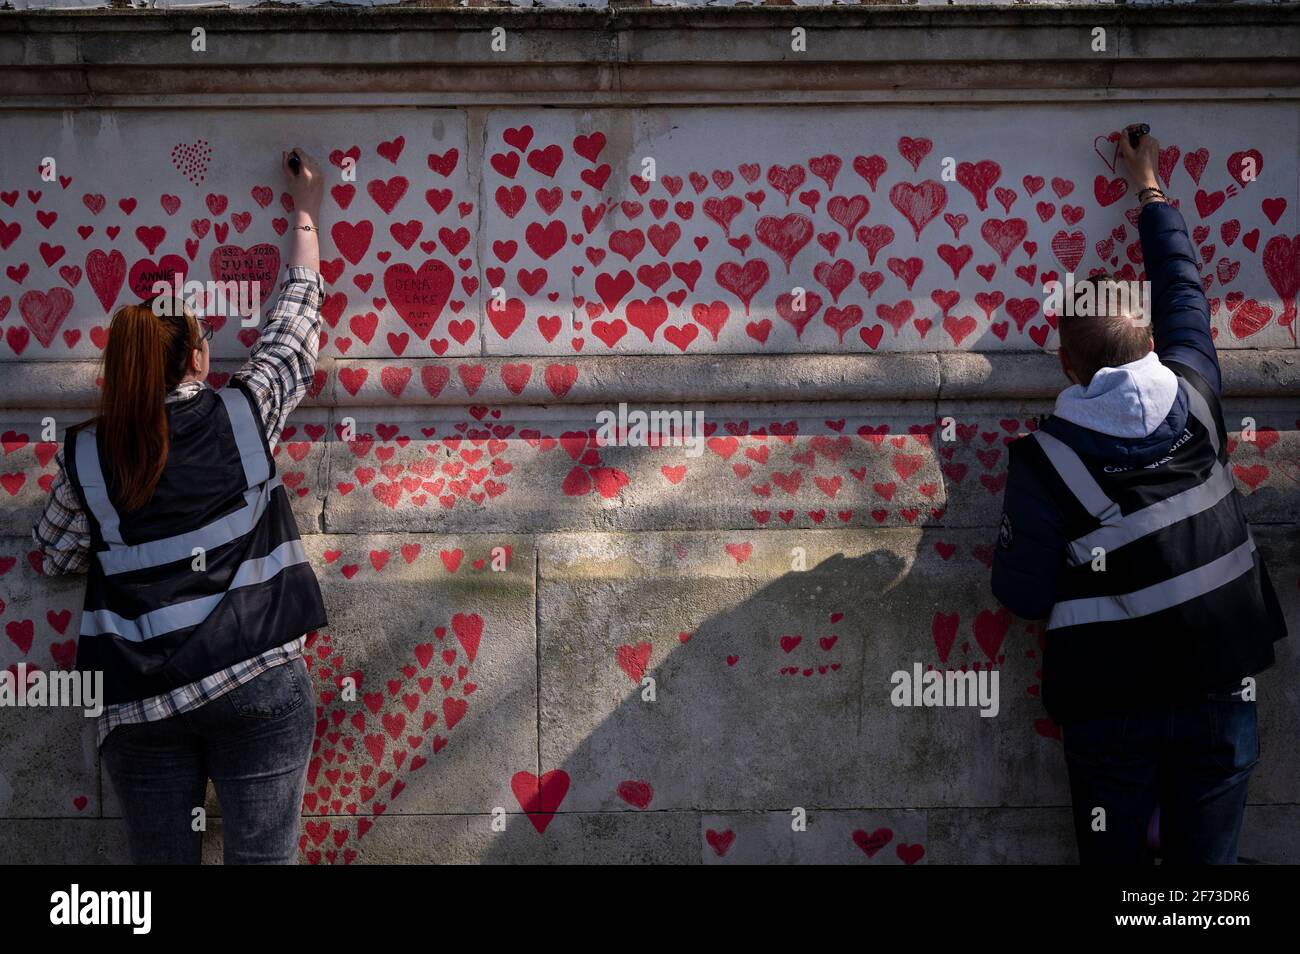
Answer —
307 185
1143 160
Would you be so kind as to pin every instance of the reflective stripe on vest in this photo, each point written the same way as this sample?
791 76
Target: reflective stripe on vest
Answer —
219 532
95 488
1201 411
169 619
1079 480
248 435
1160 596
123 558
1161 514
1119 529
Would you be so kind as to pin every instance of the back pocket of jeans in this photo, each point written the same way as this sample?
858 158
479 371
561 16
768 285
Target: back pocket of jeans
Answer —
269 695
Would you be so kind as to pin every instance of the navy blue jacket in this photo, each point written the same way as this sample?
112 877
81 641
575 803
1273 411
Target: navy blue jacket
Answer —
1025 574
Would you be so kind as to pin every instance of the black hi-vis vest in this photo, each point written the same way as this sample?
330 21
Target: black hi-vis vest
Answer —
1184 603
151 621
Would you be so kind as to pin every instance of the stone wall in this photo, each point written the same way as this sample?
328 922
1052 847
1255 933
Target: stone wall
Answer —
500 582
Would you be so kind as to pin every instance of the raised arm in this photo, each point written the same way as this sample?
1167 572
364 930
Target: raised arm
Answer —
306 186
282 364
1181 323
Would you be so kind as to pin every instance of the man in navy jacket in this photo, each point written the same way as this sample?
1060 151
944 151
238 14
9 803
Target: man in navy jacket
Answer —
1121 525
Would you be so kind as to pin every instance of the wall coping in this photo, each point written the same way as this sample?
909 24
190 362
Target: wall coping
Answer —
671 379
432 56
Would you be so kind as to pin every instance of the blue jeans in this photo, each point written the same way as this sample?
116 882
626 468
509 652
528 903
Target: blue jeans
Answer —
1193 760
253 742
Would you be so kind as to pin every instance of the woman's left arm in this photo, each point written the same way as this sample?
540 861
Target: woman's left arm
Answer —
62 536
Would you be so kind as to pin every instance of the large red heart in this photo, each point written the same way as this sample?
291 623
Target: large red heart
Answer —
106 272
255 267
44 312
419 297
919 204
540 796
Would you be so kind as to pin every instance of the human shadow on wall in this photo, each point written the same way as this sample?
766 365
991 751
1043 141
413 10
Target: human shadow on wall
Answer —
766 697
778 697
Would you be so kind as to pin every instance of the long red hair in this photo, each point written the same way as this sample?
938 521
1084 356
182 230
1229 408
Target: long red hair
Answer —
146 357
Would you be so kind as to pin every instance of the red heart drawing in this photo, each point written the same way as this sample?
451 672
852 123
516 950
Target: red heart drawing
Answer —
919 204
191 159
872 842
540 796
258 265
419 297
45 312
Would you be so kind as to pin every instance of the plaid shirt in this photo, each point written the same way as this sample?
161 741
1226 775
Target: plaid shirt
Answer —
278 373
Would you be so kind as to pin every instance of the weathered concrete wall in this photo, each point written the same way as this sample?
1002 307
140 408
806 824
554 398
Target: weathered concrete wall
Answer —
473 426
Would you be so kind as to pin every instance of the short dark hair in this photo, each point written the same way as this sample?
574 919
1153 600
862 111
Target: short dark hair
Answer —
1107 340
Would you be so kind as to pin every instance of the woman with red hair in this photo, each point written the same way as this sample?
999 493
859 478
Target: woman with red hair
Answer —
198 590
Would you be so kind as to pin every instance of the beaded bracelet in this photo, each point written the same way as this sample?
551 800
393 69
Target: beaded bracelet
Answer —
1142 193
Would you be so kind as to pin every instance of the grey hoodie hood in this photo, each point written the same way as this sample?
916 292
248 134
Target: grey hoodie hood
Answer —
1130 401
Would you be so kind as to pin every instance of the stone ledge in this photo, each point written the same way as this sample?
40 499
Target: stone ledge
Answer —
797 466
975 376
671 379
627 54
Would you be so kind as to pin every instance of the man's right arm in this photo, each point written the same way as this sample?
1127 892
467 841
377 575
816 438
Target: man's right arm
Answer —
1180 323
1181 320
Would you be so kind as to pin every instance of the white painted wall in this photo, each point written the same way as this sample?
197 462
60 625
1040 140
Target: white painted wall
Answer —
591 260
